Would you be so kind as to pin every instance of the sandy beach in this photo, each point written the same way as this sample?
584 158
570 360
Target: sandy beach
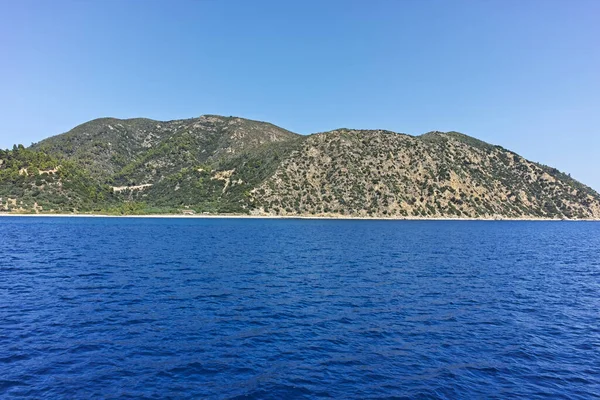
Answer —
315 217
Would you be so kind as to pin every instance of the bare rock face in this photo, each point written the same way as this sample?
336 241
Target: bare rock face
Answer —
234 165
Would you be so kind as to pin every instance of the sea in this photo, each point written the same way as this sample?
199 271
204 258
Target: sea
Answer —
159 308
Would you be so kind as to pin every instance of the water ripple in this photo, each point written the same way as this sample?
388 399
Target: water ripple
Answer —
144 308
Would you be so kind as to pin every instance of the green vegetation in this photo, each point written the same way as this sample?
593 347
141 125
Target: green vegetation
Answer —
33 181
215 164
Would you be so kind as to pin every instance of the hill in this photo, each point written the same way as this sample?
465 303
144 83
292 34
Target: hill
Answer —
233 165
138 150
381 173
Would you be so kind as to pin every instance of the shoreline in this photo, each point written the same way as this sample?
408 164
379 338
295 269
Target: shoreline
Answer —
308 217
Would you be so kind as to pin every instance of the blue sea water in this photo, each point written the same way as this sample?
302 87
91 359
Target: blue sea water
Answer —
284 309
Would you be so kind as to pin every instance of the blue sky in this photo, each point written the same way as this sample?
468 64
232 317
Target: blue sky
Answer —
524 74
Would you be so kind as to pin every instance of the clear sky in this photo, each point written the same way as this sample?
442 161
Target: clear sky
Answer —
524 74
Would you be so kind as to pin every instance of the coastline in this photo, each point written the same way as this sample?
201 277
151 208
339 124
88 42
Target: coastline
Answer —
308 217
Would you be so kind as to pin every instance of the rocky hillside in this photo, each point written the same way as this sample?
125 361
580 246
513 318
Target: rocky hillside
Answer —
385 174
233 165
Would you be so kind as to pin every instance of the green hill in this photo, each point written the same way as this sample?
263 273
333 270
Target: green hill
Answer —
233 165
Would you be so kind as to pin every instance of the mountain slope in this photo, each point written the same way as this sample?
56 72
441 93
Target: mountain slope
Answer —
380 173
233 165
105 145
33 181
136 151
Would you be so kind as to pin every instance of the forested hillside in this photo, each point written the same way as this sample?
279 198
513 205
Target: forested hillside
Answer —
214 164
